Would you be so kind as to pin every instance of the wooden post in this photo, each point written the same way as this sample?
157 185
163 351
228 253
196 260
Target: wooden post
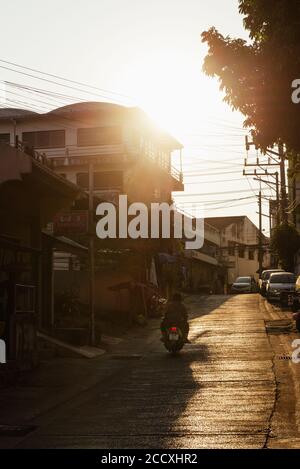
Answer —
91 255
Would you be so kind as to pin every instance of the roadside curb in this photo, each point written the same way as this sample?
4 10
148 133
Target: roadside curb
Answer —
84 351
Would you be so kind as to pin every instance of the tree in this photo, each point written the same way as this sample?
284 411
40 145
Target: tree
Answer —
285 242
257 75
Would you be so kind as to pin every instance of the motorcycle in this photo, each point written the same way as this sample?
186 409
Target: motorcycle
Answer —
173 339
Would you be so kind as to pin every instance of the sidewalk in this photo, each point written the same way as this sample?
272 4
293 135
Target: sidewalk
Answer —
57 380
285 422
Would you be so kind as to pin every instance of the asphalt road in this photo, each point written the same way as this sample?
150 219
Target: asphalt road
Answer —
219 392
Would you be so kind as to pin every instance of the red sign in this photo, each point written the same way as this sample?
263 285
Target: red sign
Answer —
67 223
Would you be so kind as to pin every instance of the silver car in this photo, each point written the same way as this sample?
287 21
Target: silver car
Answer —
280 283
262 283
244 285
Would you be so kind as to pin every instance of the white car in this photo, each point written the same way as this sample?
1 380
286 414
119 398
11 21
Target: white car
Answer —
279 283
262 283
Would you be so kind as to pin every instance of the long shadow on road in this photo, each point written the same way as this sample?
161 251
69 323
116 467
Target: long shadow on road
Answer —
142 405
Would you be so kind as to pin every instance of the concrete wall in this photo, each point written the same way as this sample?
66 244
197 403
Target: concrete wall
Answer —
243 233
106 300
132 142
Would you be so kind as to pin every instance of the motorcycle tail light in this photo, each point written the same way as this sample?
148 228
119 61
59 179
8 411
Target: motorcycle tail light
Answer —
173 329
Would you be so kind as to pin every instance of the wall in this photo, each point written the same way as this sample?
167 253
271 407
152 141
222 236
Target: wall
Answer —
140 180
244 233
106 300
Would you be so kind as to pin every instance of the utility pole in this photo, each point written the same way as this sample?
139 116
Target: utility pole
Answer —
91 255
260 249
270 217
277 198
283 207
275 159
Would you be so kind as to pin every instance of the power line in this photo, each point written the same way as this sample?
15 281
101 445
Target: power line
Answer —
59 78
230 206
213 193
59 84
211 182
211 173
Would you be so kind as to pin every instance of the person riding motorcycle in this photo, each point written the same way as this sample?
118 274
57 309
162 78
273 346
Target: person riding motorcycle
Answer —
176 315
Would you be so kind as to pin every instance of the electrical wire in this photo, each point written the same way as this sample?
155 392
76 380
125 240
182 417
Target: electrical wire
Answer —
55 82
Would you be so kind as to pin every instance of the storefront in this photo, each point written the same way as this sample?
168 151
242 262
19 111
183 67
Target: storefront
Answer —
30 195
18 318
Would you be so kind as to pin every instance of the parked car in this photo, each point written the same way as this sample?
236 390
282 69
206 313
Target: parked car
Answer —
294 302
244 285
279 284
297 286
262 283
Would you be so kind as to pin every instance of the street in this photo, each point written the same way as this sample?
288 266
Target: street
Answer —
219 392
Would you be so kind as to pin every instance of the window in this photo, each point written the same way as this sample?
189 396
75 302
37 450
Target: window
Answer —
283 278
102 180
99 136
5 138
108 180
251 254
243 280
231 249
241 252
44 138
82 180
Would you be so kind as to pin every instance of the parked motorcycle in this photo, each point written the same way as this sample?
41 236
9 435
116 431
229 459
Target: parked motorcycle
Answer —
173 339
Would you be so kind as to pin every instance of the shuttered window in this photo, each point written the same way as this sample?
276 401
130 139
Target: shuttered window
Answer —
44 138
99 136
102 180
82 180
108 180
5 138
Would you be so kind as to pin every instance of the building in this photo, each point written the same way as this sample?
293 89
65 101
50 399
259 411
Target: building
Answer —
129 154
293 174
31 193
126 154
239 247
205 270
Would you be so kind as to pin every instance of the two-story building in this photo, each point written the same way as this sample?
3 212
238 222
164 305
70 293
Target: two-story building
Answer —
31 193
239 246
206 272
126 154
130 155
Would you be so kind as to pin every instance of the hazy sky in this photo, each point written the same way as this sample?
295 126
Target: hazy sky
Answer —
150 51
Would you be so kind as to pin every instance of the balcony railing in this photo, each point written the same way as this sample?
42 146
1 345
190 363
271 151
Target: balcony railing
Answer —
176 174
75 155
40 158
87 151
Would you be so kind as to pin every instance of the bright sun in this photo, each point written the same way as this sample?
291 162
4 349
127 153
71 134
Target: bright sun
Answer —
170 89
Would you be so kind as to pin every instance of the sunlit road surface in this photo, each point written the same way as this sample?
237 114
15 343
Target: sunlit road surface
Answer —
219 392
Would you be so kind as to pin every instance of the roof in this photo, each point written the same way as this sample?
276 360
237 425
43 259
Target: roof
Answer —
222 222
88 106
65 243
15 113
135 115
